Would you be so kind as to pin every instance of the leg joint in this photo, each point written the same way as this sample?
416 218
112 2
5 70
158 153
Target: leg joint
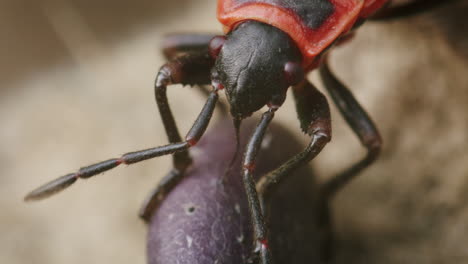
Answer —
164 77
323 136
374 146
320 128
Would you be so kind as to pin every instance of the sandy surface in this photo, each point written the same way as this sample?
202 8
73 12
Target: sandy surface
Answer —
76 87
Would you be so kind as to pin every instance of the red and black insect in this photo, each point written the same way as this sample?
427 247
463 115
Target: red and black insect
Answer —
268 46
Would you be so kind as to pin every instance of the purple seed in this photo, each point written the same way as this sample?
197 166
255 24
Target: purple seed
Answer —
205 220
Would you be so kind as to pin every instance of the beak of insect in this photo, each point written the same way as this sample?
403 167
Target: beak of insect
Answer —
236 121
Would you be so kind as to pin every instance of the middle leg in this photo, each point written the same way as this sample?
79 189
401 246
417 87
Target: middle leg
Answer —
364 128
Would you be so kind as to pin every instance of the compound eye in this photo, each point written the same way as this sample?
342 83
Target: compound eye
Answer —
293 72
215 45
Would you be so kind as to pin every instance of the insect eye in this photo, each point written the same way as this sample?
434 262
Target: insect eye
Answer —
215 45
293 72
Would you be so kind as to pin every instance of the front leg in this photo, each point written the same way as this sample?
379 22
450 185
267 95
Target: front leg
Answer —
314 116
192 69
250 157
177 44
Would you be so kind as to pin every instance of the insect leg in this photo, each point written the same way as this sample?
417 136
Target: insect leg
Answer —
176 44
205 90
192 137
191 69
361 124
156 196
363 127
258 221
314 116
176 174
407 10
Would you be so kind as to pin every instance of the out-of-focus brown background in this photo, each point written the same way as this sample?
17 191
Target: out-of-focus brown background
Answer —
76 87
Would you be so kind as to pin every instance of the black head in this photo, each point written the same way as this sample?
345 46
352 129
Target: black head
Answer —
256 64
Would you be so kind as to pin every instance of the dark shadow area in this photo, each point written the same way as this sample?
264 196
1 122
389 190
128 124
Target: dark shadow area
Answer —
29 44
453 24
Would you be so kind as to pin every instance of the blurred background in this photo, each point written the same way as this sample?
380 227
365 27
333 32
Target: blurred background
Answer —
76 87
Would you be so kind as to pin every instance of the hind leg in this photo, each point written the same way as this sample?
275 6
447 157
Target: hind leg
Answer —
368 135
